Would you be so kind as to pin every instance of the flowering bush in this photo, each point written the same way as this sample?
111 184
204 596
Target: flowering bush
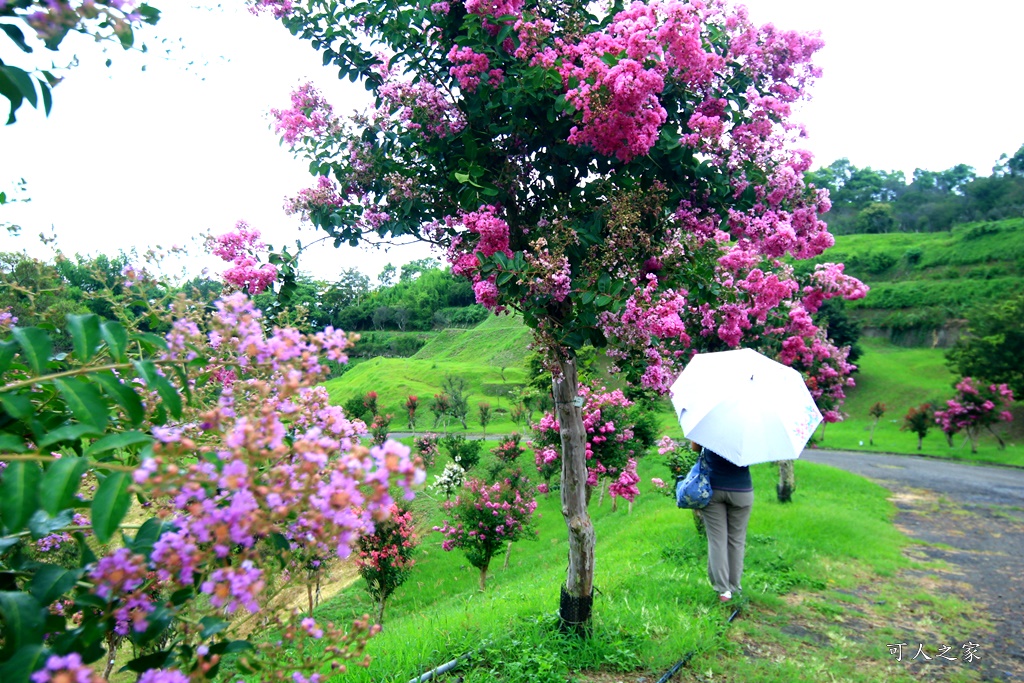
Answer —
379 429
974 408
610 438
626 485
245 472
385 556
509 450
370 402
485 517
427 448
450 480
919 420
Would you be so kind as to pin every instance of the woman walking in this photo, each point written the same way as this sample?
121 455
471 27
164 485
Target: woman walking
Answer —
725 519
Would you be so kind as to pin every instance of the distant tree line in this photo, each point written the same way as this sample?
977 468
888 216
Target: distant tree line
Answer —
424 296
868 201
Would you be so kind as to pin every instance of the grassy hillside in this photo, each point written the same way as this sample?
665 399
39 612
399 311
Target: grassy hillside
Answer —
488 358
500 341
926 279
902 378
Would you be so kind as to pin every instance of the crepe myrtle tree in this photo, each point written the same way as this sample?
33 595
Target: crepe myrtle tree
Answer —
623 176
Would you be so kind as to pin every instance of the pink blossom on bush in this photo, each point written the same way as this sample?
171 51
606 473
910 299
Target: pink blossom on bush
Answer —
626 485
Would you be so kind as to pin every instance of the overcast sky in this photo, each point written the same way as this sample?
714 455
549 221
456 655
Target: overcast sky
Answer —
135 159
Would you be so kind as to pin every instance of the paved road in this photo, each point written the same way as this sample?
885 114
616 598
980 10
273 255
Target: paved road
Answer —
981 531
968 484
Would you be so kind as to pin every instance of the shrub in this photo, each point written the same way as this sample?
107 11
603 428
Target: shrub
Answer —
427 447
919 420
246 470
461 450
385 556
485 517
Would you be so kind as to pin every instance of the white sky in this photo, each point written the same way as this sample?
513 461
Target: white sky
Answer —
135 159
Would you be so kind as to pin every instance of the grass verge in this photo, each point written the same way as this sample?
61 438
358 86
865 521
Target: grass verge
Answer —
808 563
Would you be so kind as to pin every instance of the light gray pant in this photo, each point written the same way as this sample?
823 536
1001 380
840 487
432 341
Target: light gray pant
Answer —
725 518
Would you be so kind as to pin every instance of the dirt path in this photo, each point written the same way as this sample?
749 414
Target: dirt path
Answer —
977 514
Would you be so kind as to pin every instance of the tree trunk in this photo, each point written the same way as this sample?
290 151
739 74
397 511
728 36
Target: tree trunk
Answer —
577 593
380 612
483 578
920 441
111 656
787 481
1002 445
508 554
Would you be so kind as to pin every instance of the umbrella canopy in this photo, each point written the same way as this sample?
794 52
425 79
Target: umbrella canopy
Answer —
745 406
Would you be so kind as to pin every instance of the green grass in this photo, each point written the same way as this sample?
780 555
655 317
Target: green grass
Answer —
923 280
488 358
653 601
902 378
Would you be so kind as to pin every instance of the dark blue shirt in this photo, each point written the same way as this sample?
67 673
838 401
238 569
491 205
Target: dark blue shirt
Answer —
726 476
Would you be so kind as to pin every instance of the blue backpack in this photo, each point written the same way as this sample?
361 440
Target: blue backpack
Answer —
693 491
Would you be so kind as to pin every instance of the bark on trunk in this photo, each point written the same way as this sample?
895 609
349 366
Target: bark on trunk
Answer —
787 481
483 578
577 593
508 554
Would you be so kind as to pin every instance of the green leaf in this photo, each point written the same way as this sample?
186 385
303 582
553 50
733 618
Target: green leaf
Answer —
164 388
85 335
149 533
123 393
212 626
35 347
110 505
23 664
116 337
85 402
19 494
22 81
50 582
68 433
41 524
16 35
23 620
17 406
602 300
156 660
60 483
117 441
11 443
8 349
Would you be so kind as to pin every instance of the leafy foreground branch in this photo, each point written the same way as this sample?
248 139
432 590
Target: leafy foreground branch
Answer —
244 476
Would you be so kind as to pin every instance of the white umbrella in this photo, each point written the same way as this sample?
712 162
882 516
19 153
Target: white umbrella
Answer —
745 406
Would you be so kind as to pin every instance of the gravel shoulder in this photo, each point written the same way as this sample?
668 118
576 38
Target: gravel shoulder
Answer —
970 517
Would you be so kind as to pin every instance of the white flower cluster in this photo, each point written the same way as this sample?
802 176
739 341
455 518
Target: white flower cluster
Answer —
450 480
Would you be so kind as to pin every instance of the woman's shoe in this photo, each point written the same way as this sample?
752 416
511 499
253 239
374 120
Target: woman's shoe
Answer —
725 597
